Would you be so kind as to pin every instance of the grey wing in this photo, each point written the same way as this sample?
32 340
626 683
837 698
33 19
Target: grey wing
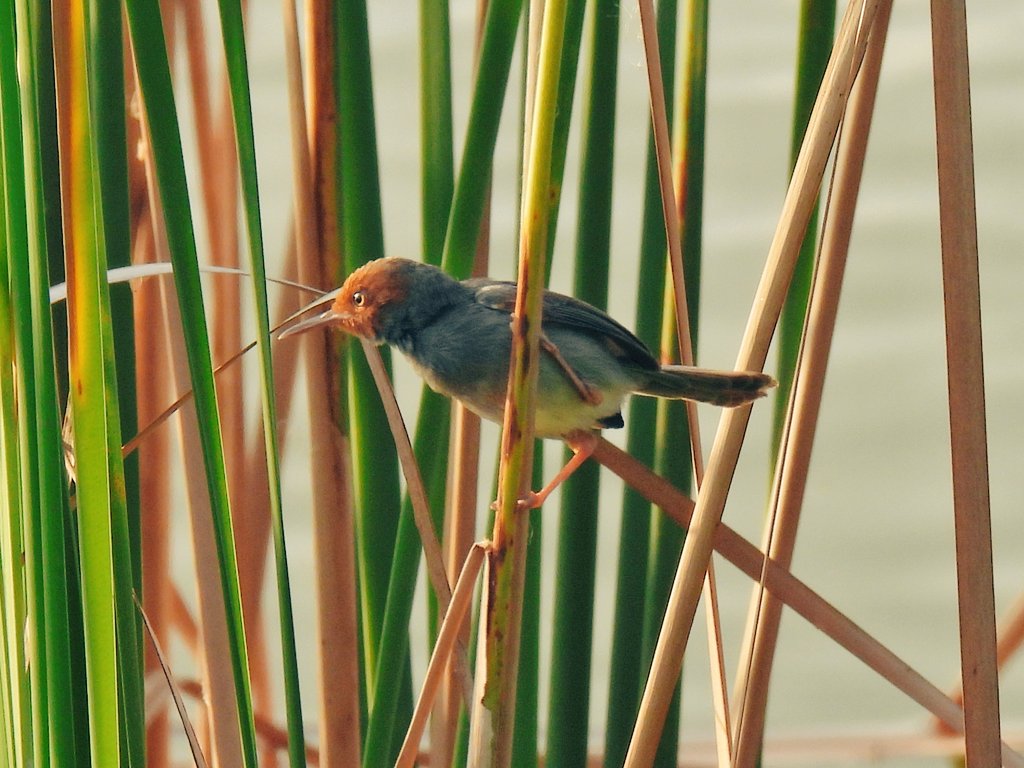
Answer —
565 312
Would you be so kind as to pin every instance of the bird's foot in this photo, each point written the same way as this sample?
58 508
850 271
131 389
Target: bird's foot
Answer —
582 443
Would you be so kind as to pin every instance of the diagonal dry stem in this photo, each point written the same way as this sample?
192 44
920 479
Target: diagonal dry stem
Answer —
767 305
792 592
447 642
790 481
673 199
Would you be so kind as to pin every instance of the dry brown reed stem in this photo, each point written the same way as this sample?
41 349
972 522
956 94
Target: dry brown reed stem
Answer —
673 200
447 641
271 735
460 520
767 305
420 505
410 468
217 677
968 442
219 194
337 632
1011 637
460 528
461 505
754 669
154 480
219 182
791 591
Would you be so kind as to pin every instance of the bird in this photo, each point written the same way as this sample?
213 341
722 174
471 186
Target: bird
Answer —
457 336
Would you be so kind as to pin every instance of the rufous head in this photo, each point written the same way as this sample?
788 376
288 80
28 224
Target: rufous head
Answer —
366 299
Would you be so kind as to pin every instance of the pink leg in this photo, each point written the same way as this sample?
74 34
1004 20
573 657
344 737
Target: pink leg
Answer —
582 443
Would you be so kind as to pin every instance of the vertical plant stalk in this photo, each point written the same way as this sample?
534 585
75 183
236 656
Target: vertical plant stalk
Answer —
16 576
152 364
725 453
42 481
573 622
316 240
817 24
504 609
968 443
688 193
219 187
630 654
755 664
360 239
221 714
339 713
95 469
233 38
462 237
437 187
107 98
155 86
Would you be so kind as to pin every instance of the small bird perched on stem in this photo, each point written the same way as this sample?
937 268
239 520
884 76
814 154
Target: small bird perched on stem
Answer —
457 336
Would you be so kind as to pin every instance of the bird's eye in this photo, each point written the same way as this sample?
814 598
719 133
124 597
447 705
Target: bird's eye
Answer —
359 298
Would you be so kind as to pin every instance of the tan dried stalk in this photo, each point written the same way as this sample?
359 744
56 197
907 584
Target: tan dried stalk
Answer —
725 453
792 592
673 197
313 164
1010 639
968 442
151 364
788 488
447 643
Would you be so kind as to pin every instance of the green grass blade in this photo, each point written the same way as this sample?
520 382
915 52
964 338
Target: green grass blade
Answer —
375 464
438 178
493 67
94 466
18 696
106 73
155 85
234 51
54 742
817 27
572 632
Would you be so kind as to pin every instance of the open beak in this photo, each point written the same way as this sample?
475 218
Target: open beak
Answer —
293 325
322 319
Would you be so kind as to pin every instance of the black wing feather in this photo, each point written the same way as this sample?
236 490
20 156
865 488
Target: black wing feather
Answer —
567 312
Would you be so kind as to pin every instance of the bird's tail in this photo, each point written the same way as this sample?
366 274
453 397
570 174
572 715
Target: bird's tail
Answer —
725 388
